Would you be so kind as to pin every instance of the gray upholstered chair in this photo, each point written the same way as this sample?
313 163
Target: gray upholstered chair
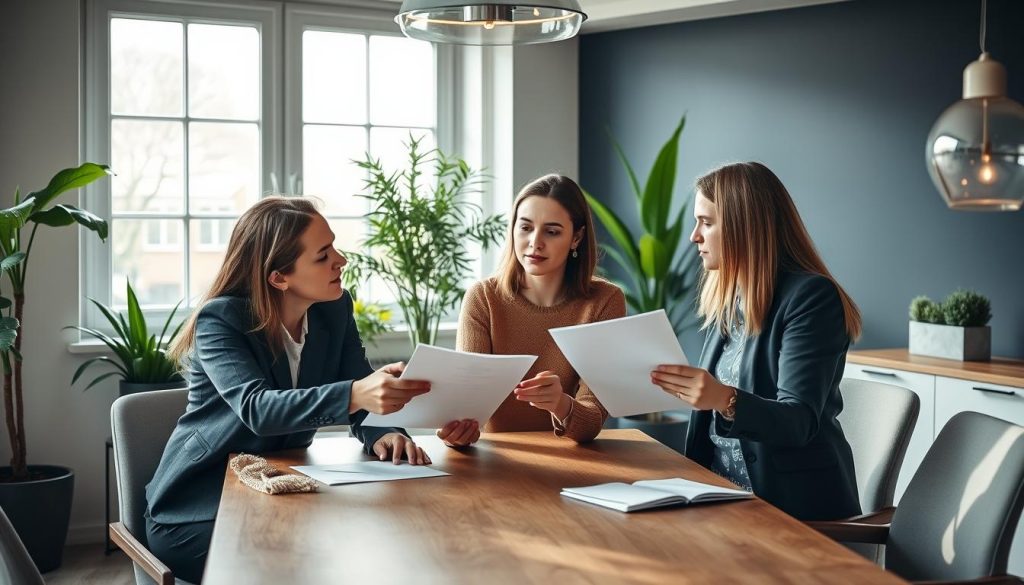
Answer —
957 518
16 565
140 425
878 420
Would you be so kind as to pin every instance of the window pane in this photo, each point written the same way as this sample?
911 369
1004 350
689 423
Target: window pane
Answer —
149 162
224 166
327 170
333 77
223 72
208 238
402 82
391 146
145 67
155 270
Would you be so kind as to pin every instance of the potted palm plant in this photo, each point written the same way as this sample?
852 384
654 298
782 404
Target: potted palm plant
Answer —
658 265
140 359
36 498
420 235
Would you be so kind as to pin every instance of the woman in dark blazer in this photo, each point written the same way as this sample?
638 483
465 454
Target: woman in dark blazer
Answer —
766 392
272 355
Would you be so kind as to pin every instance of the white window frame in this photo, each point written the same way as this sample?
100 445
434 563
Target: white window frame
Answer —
280 25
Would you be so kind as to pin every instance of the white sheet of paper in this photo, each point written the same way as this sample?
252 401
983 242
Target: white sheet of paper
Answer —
615 358
365 471
462 385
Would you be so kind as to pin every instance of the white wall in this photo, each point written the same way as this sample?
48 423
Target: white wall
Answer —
40 53
545 111
39 124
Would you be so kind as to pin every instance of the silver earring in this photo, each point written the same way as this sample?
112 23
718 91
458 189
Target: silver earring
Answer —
575 254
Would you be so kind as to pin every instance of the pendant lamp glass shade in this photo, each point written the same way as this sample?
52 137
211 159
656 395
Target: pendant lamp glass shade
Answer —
975 150
495 22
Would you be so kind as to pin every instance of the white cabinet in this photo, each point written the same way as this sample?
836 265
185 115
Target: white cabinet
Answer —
924 432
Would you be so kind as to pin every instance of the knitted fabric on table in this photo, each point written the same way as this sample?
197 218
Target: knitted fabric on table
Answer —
255 472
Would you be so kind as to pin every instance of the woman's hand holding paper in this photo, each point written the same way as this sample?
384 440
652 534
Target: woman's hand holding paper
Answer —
544 391
695 386
460 433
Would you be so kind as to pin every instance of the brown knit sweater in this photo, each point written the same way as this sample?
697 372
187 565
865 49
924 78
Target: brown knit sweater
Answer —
494 323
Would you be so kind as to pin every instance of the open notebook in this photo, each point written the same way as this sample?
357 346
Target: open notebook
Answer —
652 493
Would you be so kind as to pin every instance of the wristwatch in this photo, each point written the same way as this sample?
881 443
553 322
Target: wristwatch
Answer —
730 409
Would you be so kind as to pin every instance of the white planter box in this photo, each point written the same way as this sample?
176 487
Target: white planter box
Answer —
950 342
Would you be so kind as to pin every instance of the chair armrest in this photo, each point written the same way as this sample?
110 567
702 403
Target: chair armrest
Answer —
870 528
140 554
993 580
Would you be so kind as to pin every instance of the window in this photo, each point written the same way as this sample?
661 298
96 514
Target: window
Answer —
199 116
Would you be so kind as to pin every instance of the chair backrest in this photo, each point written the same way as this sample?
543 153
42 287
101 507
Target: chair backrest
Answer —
878 420
957 519
16 565
140 425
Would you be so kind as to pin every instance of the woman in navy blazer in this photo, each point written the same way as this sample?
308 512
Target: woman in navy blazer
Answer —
766 392
272 355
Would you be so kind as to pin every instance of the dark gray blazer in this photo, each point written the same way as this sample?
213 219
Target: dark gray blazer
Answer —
795 450
240 400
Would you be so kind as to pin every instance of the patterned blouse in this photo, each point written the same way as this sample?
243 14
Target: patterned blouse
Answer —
728 457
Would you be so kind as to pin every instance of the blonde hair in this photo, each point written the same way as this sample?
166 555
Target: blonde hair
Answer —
761 232
579 271
267 238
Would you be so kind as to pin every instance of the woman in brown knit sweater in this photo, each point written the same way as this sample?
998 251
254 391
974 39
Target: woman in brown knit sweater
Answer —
546 280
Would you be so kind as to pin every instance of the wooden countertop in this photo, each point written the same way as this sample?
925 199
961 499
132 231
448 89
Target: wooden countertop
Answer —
1005 371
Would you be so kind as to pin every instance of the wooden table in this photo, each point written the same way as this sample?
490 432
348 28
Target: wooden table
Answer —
499 518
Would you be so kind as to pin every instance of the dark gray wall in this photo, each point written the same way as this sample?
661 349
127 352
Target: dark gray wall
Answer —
837 99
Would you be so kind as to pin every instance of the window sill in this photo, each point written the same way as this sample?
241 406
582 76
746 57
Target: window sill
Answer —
388 344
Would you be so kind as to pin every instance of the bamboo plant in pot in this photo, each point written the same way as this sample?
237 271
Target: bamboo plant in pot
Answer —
421 224
140 359
36 498
660 269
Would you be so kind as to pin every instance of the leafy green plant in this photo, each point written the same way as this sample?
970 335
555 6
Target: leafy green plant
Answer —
966 308
371 319
418 238
141 358
34 210
659 273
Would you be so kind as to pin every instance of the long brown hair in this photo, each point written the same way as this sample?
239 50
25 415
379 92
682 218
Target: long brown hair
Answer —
267 238
761 232
579 271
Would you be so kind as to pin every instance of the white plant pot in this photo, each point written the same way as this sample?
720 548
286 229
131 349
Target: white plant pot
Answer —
972 344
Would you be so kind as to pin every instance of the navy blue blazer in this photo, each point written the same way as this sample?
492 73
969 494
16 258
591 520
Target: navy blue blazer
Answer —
796 454
241 399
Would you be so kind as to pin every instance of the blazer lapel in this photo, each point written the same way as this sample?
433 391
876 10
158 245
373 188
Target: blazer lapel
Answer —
712 348
314 354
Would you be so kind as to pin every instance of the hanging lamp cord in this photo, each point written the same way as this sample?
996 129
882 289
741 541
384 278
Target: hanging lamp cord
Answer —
984 12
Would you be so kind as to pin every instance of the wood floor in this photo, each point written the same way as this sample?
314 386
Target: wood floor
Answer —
87 565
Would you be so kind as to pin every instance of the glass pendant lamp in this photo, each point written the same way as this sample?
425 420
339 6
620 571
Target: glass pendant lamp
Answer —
975 150
495 22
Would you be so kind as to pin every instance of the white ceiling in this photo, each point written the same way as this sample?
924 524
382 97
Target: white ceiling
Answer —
605 15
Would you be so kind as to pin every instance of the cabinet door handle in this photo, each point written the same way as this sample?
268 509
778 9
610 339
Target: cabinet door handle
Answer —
879 373
994 390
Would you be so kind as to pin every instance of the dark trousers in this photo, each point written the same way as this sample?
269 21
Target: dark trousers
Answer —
182 547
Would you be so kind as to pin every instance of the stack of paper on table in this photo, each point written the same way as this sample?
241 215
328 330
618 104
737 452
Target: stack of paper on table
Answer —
463 385
653 493
366 471
615 358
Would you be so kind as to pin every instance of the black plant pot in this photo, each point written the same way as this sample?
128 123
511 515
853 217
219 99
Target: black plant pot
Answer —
132 387
40 510
668 428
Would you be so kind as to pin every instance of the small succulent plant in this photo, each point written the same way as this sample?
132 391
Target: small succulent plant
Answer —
966 308
962 308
